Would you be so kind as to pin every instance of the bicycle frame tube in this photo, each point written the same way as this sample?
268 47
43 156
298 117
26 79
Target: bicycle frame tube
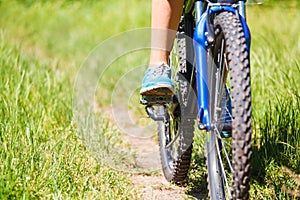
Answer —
200 46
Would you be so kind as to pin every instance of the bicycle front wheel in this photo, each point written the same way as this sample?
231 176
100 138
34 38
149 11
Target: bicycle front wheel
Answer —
229 143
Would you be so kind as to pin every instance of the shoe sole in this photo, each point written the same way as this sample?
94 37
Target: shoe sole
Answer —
155 99
161 90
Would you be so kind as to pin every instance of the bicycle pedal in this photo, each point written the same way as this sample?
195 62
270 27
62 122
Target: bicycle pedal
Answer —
155 100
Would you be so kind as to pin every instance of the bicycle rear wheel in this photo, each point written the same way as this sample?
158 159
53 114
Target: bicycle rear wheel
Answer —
176 131
229 143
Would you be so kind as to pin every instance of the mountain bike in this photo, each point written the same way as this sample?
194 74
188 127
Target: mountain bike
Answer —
210 63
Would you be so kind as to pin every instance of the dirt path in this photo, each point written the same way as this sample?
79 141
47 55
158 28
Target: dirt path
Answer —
150 180
152 186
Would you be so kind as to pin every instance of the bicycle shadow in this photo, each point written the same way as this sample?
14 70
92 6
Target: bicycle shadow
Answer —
197 182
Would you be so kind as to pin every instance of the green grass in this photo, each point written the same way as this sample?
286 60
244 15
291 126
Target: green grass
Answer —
276 99
41 155
69 30
42 45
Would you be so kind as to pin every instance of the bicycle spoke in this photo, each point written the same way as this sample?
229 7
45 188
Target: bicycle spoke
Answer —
223 170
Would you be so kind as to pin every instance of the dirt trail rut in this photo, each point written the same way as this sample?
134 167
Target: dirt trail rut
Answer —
152 186
150 180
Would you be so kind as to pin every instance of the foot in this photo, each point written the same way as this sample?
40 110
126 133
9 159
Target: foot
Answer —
157 81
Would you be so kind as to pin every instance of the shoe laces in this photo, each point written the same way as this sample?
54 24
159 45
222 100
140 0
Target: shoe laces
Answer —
159 70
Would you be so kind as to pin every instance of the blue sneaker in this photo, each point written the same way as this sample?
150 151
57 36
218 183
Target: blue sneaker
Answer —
157 81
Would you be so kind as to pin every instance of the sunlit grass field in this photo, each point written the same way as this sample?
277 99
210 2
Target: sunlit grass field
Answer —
276 99
42 45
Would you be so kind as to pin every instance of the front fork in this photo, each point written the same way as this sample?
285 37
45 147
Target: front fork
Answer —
202 39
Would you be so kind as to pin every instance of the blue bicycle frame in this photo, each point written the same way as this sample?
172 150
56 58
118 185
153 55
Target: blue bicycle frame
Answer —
201 45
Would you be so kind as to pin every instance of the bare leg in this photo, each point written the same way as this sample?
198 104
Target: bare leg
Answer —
157 79
165 16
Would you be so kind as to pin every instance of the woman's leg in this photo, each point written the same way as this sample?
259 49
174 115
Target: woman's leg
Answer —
165 16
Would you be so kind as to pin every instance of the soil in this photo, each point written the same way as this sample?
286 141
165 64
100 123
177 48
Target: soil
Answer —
149 181
152 185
